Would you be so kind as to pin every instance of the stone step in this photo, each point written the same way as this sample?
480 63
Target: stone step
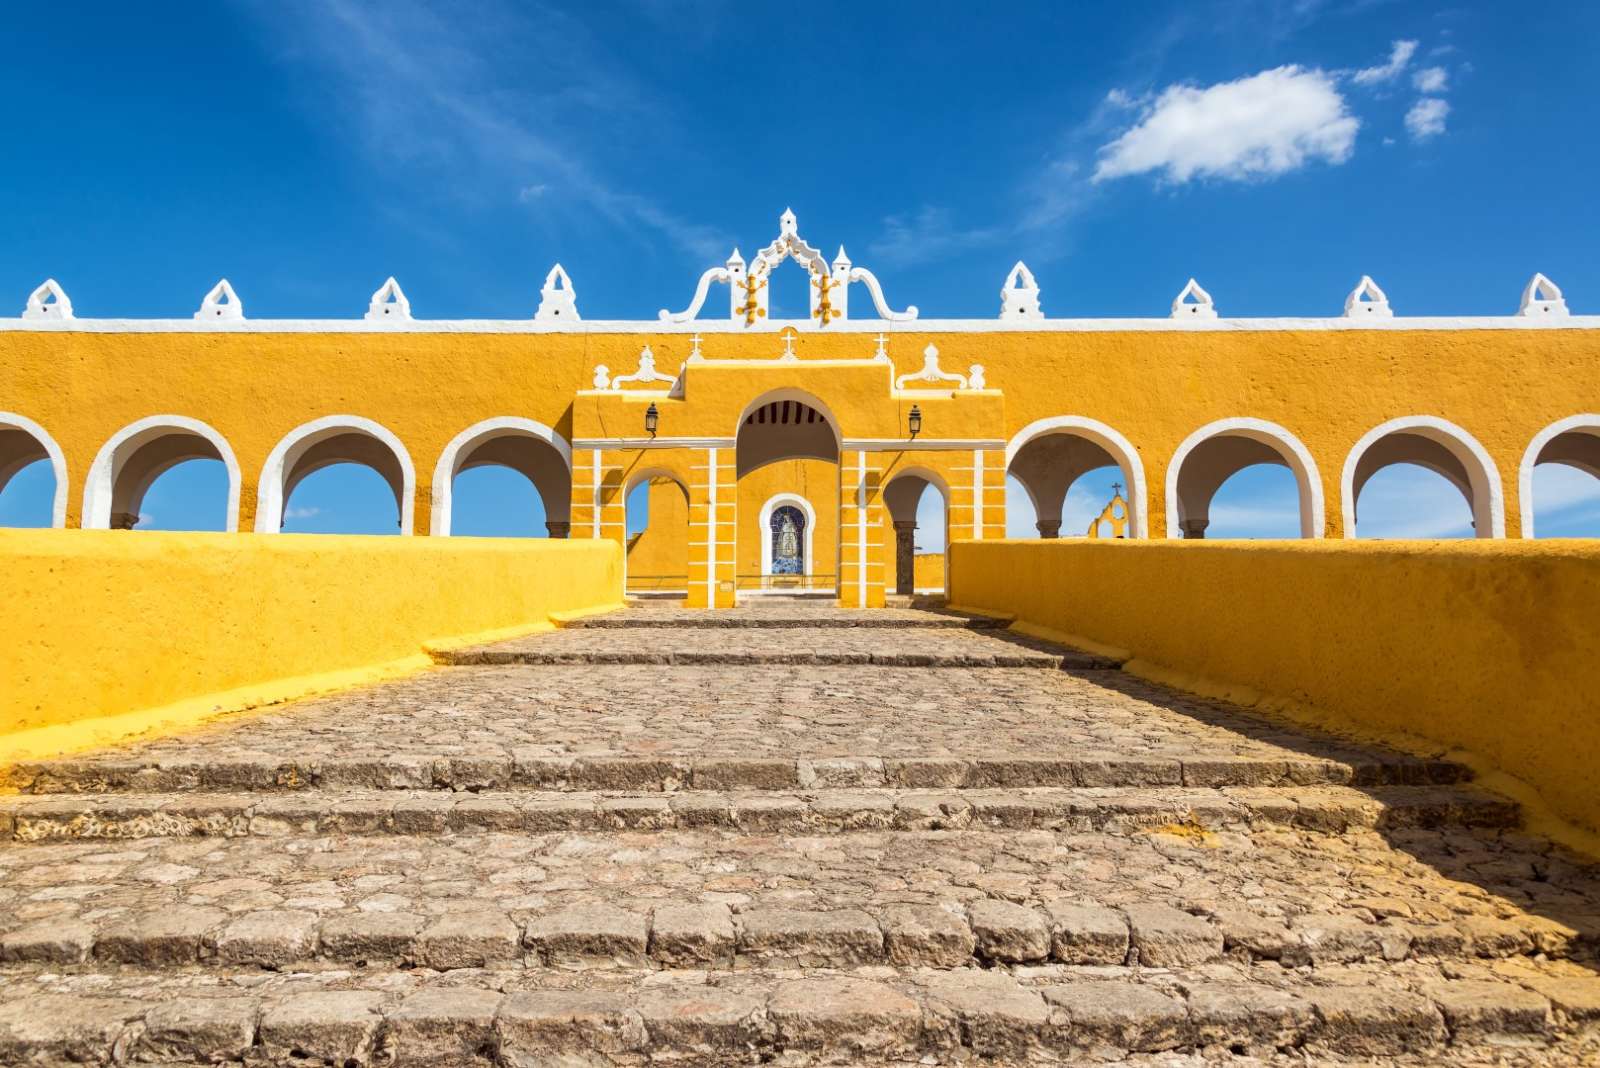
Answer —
772 614
803 1019
679 934
910 647
534 767
1333 809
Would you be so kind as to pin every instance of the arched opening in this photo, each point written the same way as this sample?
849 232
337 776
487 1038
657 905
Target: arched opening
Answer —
33 475
332 443
656 507
918 512
786 456
1050 456
127 467
1218 452
476 491
1407 509
1559 480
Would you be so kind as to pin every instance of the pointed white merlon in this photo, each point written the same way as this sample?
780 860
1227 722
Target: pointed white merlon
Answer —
558 301
1019 297
1367 301
1542 298
49 301
389 303
221 304
1193 303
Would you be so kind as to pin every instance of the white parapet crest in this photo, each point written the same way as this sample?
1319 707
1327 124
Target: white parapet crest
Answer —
222 304
49 301
1193 303
1019 297
1542 297
1367 301
389 303
558 301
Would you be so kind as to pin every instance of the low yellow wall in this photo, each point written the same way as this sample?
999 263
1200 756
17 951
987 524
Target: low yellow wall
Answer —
104 634
927 571
1489 647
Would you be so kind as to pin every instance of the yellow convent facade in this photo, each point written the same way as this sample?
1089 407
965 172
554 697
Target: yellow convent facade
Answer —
783 454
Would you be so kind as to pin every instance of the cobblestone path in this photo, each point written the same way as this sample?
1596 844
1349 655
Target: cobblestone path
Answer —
782 834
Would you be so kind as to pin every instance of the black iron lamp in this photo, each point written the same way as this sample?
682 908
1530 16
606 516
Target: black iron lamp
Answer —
651 418
914 420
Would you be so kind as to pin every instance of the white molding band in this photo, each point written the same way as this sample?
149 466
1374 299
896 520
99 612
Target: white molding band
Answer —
1121 449
52 451
1487 502
270 493
776 501
915 444
100 485
449 465
1588 421
1296 457
652 443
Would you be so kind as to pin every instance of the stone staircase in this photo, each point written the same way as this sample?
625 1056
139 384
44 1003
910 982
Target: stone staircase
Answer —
779 834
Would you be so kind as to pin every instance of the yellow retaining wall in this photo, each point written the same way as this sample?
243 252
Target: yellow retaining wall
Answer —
106 634
927 571
1492 648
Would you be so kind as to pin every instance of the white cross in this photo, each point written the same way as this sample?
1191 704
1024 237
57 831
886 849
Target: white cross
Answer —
788 344
881 350
696 341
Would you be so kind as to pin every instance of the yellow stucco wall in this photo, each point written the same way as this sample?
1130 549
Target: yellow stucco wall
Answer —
152 626
817 481
1489 647
658 556
1326 386
927 571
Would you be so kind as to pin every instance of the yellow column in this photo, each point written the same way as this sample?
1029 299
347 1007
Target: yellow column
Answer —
712 529
598 508
978 497
861 523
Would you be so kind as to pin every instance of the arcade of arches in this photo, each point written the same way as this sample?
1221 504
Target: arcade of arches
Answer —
740 456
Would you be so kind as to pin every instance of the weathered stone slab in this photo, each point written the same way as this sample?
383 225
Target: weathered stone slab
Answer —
473 939
805 939
1087 934
686 936
1008 932
926 936
593 934
1164 937
327 1026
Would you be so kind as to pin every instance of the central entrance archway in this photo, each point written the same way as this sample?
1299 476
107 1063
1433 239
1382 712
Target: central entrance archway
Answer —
787 466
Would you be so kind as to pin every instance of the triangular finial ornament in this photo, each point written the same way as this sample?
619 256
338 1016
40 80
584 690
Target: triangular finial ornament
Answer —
1019 297
787 223
1367 301
222 304
49 301
1193 303
558 301
389 303
1542 297
841 261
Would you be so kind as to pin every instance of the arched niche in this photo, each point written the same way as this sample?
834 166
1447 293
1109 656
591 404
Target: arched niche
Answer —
808 532
1572 442
530 448
322 443
1438 446
785 424
141 452
1048 455
1218 451
24 442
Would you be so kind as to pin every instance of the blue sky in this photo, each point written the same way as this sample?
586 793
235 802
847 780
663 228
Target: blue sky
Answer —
1276 151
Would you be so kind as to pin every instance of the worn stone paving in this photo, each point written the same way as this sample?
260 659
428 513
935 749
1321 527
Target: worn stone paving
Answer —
743 863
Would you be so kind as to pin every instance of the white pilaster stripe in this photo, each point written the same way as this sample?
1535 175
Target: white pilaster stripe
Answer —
861 529
711 523
598 504
977 494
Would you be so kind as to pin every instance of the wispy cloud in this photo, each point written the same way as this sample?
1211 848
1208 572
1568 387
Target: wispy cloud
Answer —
306 512
1400 54
519 103
1431 80
1426 118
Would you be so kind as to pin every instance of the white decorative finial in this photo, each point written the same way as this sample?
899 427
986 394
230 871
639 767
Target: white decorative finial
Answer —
975 377
602 377
1202 306
1019 297
931 372
558 301
735 260
49 301
389 303
1542 297
787 223
222 303
1367 301
646 373
841 261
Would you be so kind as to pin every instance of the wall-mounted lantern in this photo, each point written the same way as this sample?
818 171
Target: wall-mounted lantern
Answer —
651 418
914 420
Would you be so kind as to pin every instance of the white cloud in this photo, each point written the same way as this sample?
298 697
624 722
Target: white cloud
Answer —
1426 118
1257 127
301 513
1431 80
1399 55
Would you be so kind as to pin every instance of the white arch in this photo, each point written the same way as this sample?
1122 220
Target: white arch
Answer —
270 494
102 480
58 461
1120 448
788 393
449 465
1488 501
1294 453
1589 421
776 501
